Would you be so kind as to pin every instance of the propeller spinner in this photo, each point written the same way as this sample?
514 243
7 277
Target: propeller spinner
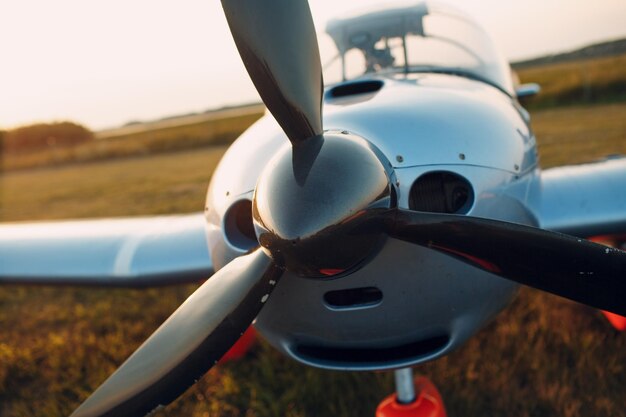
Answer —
322 207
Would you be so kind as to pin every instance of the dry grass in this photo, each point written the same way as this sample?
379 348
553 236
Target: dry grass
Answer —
210 132
543 356
579 82
158 184
578 134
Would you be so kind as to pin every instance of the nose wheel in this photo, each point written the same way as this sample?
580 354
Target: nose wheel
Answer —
414 397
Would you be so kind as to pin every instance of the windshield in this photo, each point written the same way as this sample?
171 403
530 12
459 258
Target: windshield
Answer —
423 37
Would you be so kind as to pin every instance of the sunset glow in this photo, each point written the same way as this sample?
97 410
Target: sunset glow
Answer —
106 63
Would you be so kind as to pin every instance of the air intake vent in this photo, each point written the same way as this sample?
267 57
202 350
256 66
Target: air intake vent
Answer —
354 88
358 355
441 192
238 227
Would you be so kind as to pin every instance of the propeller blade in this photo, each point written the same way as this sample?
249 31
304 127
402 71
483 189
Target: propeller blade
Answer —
277 43
189 342
573 268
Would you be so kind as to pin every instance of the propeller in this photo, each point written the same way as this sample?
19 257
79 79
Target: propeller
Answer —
277 43
189 342
322 208
573 268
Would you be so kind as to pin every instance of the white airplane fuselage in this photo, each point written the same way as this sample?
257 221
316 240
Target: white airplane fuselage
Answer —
409 304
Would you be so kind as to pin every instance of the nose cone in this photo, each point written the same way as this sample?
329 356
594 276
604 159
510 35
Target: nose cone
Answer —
317 203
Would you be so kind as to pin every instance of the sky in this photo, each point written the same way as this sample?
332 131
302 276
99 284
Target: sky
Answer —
105 63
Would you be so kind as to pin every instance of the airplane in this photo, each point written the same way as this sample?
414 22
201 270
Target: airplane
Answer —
372 224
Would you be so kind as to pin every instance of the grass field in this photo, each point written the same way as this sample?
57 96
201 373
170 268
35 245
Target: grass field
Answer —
580 133
543 356
156 184
597 80
137 141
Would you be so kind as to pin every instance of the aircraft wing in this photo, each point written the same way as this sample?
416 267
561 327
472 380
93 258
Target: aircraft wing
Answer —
585 200
130 252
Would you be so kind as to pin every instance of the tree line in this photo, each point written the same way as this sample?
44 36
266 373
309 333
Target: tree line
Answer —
43 136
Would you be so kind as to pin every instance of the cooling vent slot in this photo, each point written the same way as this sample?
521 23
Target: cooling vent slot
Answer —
441 192
410 351
354 88
353 298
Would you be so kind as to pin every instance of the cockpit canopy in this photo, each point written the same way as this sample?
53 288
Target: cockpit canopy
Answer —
422 37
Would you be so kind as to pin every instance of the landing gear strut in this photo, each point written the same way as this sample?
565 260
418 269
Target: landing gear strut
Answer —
414 397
